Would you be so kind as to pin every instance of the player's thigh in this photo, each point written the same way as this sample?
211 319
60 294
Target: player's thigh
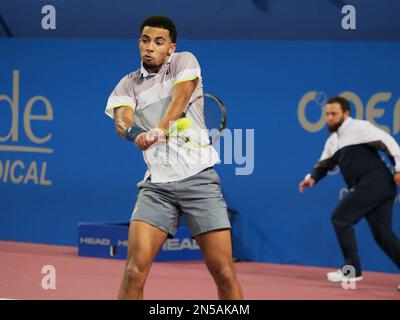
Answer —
216 247
144 242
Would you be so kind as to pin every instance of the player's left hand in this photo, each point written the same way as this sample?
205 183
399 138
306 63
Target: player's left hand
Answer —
146 139
397 178
157 134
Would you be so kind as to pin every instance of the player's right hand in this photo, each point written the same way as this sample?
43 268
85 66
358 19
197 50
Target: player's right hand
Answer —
306 183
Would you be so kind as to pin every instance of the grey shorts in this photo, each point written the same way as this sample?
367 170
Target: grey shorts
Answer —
197 198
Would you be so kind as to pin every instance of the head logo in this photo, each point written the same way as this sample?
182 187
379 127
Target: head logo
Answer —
180 244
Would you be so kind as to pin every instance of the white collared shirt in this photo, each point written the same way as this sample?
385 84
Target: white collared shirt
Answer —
353 132
149 95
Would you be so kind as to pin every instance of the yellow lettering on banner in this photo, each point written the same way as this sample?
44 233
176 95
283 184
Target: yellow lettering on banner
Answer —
373 113
14 109
396 118
43 180
15 179
7 168
16 171
28 117
32 173
301 113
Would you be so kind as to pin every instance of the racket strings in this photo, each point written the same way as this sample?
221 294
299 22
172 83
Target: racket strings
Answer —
214 115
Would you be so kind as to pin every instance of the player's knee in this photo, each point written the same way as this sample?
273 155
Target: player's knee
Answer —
134 275
223 275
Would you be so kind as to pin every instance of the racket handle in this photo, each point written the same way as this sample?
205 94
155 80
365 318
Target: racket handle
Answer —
132 132
155 132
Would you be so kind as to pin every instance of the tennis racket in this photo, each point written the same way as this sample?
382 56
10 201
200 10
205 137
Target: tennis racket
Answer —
214 112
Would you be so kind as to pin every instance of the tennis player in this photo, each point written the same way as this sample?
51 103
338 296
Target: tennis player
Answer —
353 145
177 182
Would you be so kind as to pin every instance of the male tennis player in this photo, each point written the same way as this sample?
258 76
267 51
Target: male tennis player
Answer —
177 181
353 145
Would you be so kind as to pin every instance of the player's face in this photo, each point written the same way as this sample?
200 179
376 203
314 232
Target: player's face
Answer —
155 47
334 116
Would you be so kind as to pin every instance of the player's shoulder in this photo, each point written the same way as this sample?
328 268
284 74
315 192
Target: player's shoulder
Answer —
183 57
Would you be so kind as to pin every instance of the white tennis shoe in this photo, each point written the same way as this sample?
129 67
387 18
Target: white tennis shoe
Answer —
338 276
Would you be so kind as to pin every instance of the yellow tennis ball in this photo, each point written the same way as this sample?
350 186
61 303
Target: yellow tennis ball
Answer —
183 124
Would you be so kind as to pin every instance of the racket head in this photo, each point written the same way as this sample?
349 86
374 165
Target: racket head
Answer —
214 115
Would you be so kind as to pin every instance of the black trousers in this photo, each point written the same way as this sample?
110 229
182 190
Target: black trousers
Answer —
372 197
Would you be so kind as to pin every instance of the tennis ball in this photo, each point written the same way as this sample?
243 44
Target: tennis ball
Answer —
183 124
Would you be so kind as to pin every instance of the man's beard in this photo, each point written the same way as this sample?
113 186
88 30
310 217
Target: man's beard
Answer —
335 127
151 66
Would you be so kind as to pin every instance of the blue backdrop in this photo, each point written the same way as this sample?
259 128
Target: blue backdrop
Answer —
53 94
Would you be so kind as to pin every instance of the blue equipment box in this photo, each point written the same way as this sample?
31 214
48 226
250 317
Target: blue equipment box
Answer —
110 240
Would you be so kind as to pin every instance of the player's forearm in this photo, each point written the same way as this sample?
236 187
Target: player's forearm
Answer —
121 125
180 98
123 118
174 111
